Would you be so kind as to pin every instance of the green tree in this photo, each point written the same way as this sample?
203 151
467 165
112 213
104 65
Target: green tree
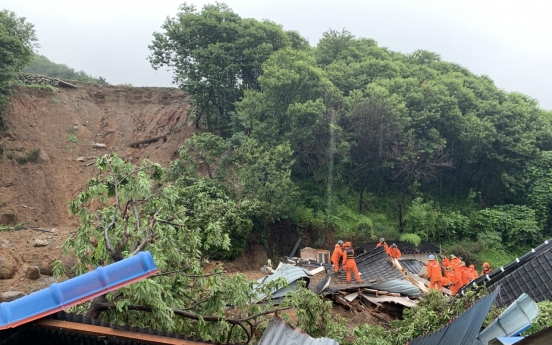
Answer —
42 65
17 41
216 56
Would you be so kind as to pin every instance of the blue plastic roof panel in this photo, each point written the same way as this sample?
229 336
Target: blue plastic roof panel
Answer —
63 295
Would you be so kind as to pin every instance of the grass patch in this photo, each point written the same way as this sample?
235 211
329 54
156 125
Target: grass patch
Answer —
42 87
72 138
54 100
22 157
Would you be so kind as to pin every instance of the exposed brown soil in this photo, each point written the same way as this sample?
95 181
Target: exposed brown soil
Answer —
57 131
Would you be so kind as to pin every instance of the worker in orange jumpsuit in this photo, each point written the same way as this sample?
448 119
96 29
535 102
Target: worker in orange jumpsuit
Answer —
472 273
456 279
349 262
383 244
434 274
337 254
486 269
464 273
455 262
394 252
445 261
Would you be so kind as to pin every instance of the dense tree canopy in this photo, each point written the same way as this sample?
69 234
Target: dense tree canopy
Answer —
17 41
42 65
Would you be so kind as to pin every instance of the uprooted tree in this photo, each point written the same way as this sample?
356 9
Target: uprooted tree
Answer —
126 209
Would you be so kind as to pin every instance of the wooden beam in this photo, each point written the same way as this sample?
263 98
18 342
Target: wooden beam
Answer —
146 141
110 332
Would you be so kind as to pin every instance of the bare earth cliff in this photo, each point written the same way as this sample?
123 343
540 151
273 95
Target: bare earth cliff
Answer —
47 154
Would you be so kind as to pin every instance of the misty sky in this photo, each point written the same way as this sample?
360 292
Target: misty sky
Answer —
506 40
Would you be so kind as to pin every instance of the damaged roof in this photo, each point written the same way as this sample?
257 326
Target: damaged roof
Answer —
411 265
292 274
464 329
530 274
407 248
280 332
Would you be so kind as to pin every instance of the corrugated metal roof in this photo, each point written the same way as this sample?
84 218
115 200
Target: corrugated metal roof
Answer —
464 329
531 273
516 318
280 332
411 265
82 288
290 273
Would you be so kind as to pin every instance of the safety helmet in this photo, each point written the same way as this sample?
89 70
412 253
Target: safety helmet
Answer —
394 245
347 244
340 242
382 239
463 264
486 265
450 268
431 256
452 256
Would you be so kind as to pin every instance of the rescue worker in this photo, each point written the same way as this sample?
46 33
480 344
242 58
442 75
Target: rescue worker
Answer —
472 273
384 244
486 269
456 280
464 273
455 262
394 252
337 254
434 274
445 261
349 262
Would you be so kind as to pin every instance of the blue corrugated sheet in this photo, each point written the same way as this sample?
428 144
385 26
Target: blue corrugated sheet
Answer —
292 274
280 332
516 318
63 295
464 329
508 340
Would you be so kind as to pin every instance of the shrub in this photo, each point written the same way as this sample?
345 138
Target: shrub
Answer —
411 238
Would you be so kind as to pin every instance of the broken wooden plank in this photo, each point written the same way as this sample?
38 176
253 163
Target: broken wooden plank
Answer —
146 141
66 84
317 270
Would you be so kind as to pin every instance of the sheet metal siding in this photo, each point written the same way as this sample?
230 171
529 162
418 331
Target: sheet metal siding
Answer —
76 290
541 338
511 321
464 329
279 332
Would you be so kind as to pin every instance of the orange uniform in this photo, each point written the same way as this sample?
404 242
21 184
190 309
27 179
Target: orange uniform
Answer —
385 246
464 271
472 273
486 271
456 279
446 262
336 256
434 274
349 262
455 262
394 252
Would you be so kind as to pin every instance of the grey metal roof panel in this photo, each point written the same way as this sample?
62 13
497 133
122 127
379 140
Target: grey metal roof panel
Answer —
412 265
517 317
280 332
464 329
290 273
376 266
530 273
